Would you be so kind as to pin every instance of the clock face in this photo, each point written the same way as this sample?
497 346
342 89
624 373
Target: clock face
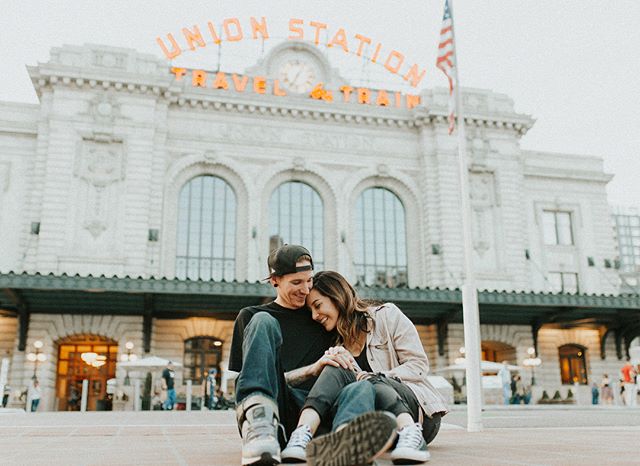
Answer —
297 76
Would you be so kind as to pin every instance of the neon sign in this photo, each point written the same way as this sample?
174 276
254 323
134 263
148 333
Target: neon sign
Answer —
260 85
232 30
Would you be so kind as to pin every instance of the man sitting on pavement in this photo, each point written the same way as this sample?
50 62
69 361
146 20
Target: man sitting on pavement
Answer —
279 350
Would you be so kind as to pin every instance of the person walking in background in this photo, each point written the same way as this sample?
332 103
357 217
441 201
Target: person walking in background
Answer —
210 389
606 390
519 394
595 394
73 403
505 378
628 379
34 395
512 400
169 375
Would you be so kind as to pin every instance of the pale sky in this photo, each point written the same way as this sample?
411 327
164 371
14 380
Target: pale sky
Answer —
572 65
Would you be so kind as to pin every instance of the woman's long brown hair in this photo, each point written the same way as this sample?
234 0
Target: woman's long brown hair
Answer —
353 317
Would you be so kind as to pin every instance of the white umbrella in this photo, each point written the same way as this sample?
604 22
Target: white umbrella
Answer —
485 366
149 362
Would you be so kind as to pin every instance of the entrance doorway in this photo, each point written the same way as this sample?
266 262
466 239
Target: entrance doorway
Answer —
85 357
496 351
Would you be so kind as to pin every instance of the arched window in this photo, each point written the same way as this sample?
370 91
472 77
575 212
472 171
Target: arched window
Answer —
201 354
296 217
573 365
381 248
206 246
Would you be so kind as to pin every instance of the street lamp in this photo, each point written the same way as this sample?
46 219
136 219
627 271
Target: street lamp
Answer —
532 362
461 359
128 357
37 356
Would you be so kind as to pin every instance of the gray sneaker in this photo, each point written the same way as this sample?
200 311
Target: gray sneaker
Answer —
411 447
260 445
360 442
295 450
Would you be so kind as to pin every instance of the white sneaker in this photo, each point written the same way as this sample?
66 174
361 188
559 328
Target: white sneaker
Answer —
411 447
295 450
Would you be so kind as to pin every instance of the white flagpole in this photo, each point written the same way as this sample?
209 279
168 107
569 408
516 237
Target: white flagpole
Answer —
470 311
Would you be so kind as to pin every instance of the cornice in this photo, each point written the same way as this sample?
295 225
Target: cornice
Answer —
165 89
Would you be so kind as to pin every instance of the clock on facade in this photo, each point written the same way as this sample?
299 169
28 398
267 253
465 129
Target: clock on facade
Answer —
297 75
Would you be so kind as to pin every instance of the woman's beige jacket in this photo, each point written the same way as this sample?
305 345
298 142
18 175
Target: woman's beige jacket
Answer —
395 350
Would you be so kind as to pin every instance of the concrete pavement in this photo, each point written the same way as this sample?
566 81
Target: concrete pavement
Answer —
513 435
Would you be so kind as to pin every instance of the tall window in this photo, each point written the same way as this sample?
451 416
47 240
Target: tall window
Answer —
296 217
381 248
557 227
206 234
201 354
563 282
628 233
573 366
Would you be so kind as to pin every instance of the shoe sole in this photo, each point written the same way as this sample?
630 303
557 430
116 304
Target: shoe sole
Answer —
266 459
410 460
293 460
363 439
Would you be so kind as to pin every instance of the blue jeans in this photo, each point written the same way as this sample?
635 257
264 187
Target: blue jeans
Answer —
171 399
336 395
262 373
34 405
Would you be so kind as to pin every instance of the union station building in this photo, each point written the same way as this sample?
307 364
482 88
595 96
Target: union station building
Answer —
137 211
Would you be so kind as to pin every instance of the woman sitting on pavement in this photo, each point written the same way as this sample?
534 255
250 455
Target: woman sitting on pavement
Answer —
385 349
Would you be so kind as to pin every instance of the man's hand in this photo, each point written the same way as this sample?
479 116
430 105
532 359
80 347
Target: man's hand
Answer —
336 356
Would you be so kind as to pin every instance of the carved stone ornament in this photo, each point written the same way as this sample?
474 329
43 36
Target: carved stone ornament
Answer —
100 163
210 155
383 169
299 164
104 108
481 191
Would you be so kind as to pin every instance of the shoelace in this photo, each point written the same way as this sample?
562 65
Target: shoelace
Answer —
410 436
300 437
260 429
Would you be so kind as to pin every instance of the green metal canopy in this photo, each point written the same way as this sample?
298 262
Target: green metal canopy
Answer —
25 294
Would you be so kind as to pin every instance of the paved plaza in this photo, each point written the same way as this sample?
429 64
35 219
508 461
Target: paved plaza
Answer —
513 435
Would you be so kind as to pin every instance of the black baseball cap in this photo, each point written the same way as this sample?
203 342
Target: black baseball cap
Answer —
282 260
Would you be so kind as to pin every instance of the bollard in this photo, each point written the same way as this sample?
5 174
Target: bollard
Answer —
4 372
136 395
189 386
85 393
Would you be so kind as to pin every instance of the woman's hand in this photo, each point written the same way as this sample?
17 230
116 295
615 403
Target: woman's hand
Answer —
342 356
336 356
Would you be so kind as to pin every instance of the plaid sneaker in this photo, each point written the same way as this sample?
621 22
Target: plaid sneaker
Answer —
360 441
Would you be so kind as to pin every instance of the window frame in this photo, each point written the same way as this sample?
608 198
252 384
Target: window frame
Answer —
188 229
580 356
563 277
373 260
189 369
554 215
315 210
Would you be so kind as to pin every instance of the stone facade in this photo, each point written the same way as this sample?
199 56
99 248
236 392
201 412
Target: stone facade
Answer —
88 173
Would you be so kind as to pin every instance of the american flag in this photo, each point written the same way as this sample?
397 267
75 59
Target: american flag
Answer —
446 50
